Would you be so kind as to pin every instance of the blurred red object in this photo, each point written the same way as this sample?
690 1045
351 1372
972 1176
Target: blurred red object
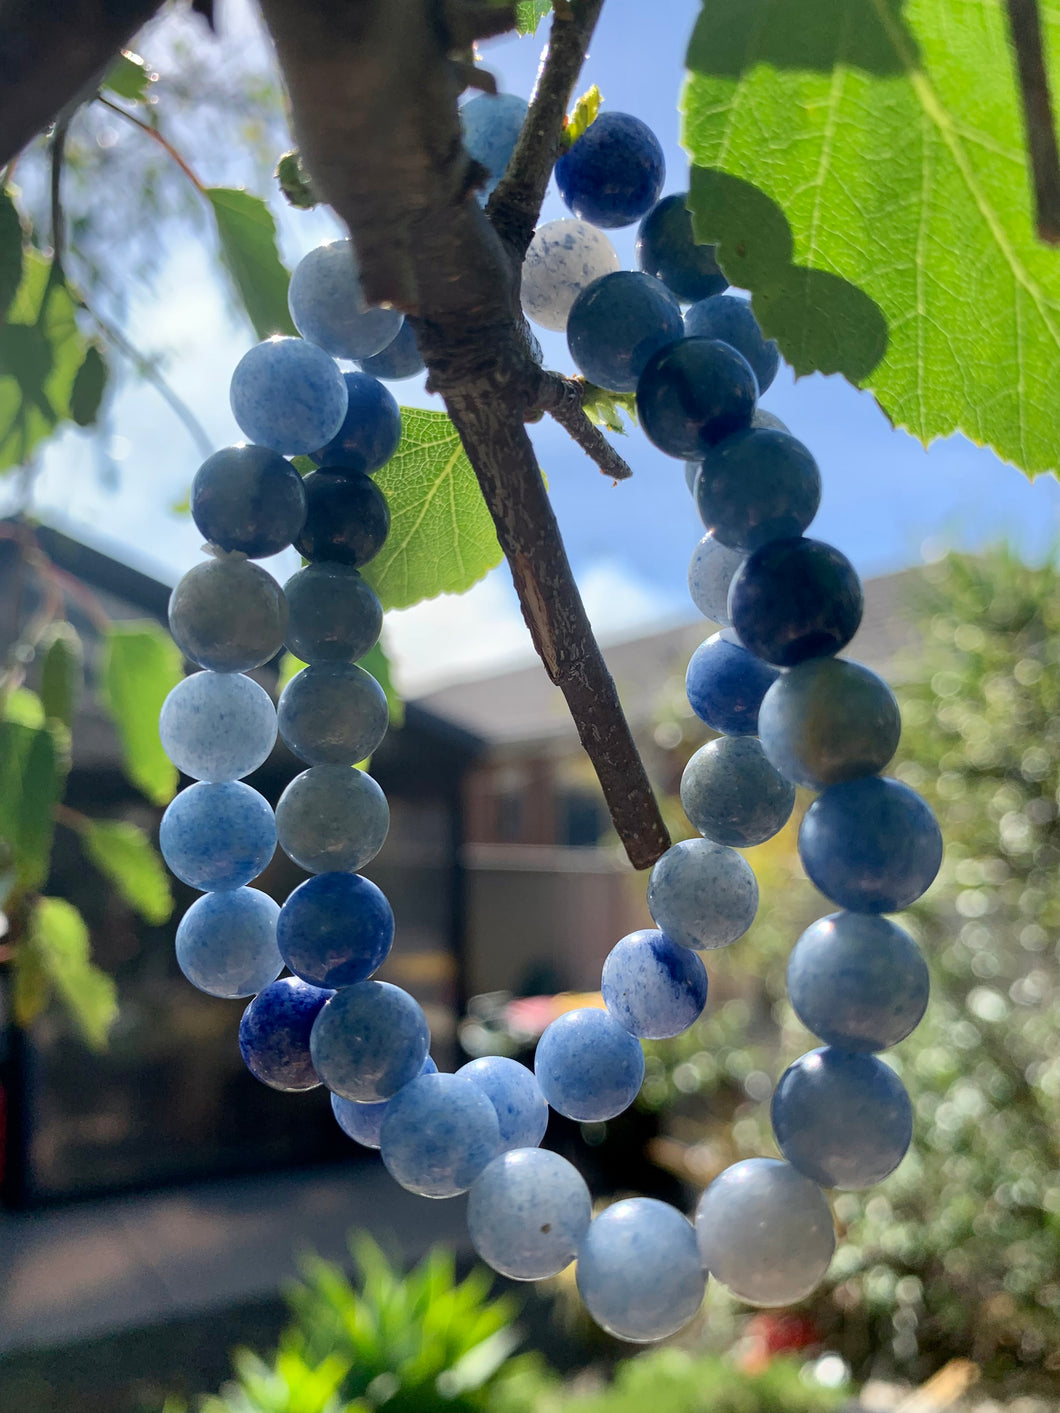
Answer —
769 1333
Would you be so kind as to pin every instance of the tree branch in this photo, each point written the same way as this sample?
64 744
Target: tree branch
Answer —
561 398
1025 26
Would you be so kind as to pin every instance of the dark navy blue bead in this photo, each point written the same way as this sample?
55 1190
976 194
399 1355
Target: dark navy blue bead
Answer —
871 845
614 173
617 323
248 498
274 1034
347 518
667 249
369 436
757 485
795 599
693 393
723 316
400 359
335 929
725 684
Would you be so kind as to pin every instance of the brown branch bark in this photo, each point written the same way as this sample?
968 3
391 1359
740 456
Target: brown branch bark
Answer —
561 398
1026 31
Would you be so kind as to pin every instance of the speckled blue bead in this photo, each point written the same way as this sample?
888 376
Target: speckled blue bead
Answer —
639 1271
332 818
335 929
723 316
335 614
692 393
858 982
226 943
217 725
438 1134
333 713
288 395
274 1034
370 432
828 720
732 793
248 498
369 1041
329 309
228 614
613 174
871 845
563 258
527 1214
400 359
516 1095
702 895
363 1122
490 126
844 1120
757 485
617 323
217 837
653 987
795 599
710 572
765 1231
589 1067
725 684
667 249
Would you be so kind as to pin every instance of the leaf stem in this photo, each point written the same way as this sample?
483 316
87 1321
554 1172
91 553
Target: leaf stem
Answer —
156 136
1026 30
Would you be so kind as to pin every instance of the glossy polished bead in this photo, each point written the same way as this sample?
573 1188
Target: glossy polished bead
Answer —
332 818
288 394
228 615
702 895
333 713
563 258
438 1134
723 316
329 308
589 1068
274 1034
363 1122
347 518
725 684
369 1041
617 323
527 1213
335 614
226 943
248 498
692 393
335 929
732 793
217 726
613 174
757 485
710 572
515 1094
370 432
795 599
653 987
667 249
216 837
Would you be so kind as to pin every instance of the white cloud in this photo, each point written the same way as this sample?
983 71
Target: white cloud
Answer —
620 603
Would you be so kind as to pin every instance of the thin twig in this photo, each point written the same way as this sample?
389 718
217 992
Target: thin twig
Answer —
155 136
562 399
1025 26
57 154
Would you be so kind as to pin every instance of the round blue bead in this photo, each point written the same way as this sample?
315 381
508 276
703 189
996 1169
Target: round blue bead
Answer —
217 726
335 929
333 713
332 818
217 837
515 1094
613 174
723 316
369 1041
617 323
795 599
563 258
653 987
363 1122
329 308
667 249
732 793
757 485
371 431
288 395
639 1271
228 615
842 1119
347 518
589 1068
226 943
725 684
527 1214
248 498
702 895
400 359
274 1034
871 845
692 393
335 614
857 981
490 125
710 572
438 1134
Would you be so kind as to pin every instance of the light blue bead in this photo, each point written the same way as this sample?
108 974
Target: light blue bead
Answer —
733 794
527 1214
369 1041
329 308
438 1134
288 395
335 614
218 837
490 125
844 1120
639 1271
589 1068
710 573
563 258
515 1094
858 981
653 987
702 895
332 818
333 713
335 929
363 1122
226 943
228 614
217 726
765 1231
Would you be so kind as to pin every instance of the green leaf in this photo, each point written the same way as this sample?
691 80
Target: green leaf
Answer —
129 77
294 182
10 251
141 666
861 166
24 706
62 672
529 14
15 741
583 113
60 957
89 387
441 537
43 776
606 408
124 854
248 248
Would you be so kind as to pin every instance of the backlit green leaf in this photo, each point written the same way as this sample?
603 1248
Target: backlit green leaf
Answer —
10 251
248 248
43 776
124 854
89 387
529 14
62 672
141 666
441 537
129 77
583 113
60 953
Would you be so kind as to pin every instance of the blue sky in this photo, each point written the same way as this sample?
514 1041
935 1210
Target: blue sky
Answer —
887 503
